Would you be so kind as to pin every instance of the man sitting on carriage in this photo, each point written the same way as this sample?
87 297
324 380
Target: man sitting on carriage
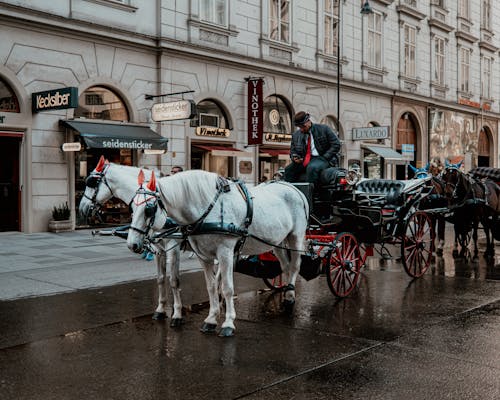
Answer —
314 147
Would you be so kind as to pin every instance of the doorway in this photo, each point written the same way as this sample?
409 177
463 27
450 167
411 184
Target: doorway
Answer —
406 134
10 195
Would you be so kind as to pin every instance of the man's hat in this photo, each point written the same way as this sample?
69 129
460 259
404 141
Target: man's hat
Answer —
301 118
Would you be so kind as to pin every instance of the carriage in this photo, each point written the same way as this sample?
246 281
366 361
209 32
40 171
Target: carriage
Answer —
351 220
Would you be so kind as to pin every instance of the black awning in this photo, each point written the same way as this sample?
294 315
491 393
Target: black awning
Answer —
101 135
387 153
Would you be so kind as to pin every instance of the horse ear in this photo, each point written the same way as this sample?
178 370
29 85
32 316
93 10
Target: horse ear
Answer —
107 162
460 163
140 178
412 168
100 164
446 163
152 182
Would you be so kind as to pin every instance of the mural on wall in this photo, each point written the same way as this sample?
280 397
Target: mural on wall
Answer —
452 136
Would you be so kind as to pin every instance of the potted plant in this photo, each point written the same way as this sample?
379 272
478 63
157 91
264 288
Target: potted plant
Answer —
61 219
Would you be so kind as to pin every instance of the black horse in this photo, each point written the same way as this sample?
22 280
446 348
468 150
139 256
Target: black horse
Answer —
473 201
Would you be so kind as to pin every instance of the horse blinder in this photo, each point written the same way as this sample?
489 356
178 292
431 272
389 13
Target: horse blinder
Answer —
92 181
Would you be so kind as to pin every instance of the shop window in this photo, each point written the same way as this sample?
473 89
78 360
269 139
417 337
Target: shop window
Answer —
210 114
99 102
277 119
8 99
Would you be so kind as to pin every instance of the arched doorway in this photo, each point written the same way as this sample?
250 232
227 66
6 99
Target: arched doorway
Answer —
406 135
10 144
102 103
484 148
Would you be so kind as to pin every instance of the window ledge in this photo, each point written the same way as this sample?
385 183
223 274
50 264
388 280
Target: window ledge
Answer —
331 58
440 25
488 46
374 70
115 4
466 36
439 86
412 12
221 30
467 95
385 2
280 45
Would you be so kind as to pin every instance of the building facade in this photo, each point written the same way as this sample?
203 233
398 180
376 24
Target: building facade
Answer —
408 82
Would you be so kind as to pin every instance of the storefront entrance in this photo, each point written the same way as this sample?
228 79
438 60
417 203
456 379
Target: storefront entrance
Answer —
115 211
10 195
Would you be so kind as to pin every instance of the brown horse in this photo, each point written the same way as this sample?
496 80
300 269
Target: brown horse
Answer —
473 201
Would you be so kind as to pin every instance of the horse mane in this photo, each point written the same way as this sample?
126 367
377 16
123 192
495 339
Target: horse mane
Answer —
181 186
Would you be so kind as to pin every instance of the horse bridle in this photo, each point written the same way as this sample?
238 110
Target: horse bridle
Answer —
150 210
93 181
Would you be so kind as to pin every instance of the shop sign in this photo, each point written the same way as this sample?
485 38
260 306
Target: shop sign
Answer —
372 132
475 104
71 146
2 119
255 111
407 151
57 99
210 131
173 110
278 137
245 167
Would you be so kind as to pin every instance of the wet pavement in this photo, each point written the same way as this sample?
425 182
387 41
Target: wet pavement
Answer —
394 338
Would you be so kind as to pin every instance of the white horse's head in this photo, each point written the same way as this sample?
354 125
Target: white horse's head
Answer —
97 191
148 216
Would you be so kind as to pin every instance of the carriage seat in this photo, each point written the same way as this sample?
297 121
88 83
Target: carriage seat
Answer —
331 175
386 188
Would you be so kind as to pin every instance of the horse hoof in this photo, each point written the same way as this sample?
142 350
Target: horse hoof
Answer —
176 322
288 305
226 332
439 252
159 316
208 328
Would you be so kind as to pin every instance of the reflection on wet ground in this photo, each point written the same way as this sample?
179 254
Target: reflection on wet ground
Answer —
447 264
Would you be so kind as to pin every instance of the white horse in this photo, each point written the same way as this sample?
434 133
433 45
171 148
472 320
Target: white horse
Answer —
222 220
111 180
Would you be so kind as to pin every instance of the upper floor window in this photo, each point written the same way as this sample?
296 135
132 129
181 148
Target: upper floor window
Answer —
464 78
486 78
214 11
439 61
331 20
412 3
463 9
99 102
486 14
8 99
375 40
410 36
279 20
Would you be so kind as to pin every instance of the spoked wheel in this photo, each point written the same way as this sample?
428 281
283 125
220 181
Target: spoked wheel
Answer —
274 283
345 263
417 244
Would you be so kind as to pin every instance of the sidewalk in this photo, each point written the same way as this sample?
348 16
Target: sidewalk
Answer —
45 263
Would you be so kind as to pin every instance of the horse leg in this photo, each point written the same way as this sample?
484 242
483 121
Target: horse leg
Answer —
457 239
160 312
225 256
173 259
441 226
475 228
490 250
290 262
211 271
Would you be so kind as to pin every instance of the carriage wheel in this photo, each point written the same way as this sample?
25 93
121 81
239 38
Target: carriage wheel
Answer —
417 244
345 263
274 283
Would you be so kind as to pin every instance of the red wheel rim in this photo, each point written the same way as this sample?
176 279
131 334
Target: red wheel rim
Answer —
417 245
345 263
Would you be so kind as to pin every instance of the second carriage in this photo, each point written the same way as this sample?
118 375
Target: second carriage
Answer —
350 221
